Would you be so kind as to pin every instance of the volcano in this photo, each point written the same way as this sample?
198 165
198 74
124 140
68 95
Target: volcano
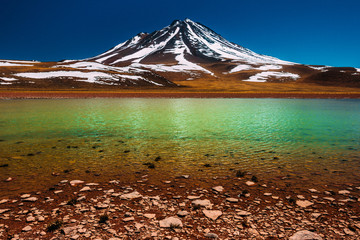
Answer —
183 52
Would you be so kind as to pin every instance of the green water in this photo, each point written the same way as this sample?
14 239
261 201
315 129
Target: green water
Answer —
111 138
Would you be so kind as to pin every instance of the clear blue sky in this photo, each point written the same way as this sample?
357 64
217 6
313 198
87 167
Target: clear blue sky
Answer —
308 31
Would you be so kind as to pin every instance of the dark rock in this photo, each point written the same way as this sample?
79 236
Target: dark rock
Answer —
4 165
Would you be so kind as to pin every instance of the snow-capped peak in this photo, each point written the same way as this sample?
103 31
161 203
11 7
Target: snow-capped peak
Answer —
187 40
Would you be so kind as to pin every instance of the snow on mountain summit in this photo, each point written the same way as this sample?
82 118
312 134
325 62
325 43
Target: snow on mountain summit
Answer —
185 44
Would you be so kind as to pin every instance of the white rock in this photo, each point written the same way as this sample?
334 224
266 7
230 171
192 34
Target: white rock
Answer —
232 200
329 198
27 229
130 196
243 213
40 218
149 215
201 203
4 211
212 214
193 197
171 222
85 189
58 191
305 235
267 194
250 183
30 199
128 219
30 219
344 192
25 196
211 235
76 182
92 184
218 188
313 190
182 213
4 201
304 203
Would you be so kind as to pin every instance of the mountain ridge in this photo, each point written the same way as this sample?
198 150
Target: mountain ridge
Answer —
173 56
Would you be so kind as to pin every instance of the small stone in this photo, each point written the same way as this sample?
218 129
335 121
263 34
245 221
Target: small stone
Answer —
211 235
250 183
182 213
313 190
329 198
212 214
305 235
27 229
348 232
76 182
30 199
243 213
30 219
58 191
267 194
40 218
193 197
171 222
232 200
149 215
128 219
4 211
85 189
25 196
304 203
218 188
201 203
344 192
130 196
74 237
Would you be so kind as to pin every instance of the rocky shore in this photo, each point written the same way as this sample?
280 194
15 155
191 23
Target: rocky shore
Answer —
240 208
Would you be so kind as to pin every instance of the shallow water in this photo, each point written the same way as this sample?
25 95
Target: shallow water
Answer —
314 142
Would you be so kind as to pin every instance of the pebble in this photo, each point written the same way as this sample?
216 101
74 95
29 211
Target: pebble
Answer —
232 200
344 192
212 214
149 215
201 203
304 203
183 213
130 196
218 188
250 183
27 229
30 199
243 213
305 235
211 235
76 182
172 222
85 189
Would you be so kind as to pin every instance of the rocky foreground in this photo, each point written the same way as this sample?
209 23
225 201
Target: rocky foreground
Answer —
177 209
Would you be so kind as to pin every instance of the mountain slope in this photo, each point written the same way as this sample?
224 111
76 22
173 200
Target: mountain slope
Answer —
177 55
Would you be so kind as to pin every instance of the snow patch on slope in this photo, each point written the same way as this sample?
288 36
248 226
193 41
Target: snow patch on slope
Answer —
240 67
264 76
91 77
16 64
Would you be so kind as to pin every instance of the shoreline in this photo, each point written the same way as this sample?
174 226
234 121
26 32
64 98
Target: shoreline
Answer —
229 208
172 94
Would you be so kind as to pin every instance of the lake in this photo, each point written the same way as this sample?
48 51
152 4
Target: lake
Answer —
310 142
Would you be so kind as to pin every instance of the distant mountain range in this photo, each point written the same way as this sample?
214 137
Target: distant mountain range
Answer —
181 52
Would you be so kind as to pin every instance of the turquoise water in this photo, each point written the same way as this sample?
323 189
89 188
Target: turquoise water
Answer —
316 139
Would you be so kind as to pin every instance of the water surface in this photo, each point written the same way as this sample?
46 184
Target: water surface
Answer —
311 141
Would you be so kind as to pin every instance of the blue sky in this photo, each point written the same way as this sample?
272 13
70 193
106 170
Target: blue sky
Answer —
310 32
